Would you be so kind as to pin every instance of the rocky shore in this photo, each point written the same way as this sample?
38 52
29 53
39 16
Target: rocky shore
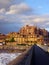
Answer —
18 49
12 50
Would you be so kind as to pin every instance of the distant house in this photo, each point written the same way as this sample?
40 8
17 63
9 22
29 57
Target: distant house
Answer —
11 43
2 36
2 42
2 39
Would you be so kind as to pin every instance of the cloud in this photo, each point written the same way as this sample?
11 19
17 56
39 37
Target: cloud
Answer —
7 3
2 11
20 13
47 23
2 17
40 21
21 8
18 17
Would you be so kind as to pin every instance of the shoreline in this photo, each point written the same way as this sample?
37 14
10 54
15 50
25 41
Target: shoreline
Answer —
12 50
18 49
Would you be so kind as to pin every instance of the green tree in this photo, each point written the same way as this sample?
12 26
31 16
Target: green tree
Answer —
12 39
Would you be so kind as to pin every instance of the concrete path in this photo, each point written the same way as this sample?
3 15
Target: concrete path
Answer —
39 56
35 56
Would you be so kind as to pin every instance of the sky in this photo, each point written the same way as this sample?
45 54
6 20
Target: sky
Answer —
15 14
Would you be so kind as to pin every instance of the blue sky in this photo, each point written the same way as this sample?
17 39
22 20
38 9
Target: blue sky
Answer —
14 14
41 6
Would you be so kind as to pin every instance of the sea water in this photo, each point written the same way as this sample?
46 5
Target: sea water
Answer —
5 58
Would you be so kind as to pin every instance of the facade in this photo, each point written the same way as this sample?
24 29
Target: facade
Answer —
11 43
26 35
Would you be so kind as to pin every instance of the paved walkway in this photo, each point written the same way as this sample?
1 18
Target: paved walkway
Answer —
35 56
39 56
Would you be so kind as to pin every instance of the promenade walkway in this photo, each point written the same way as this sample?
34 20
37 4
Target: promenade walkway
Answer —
39 56
35 56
